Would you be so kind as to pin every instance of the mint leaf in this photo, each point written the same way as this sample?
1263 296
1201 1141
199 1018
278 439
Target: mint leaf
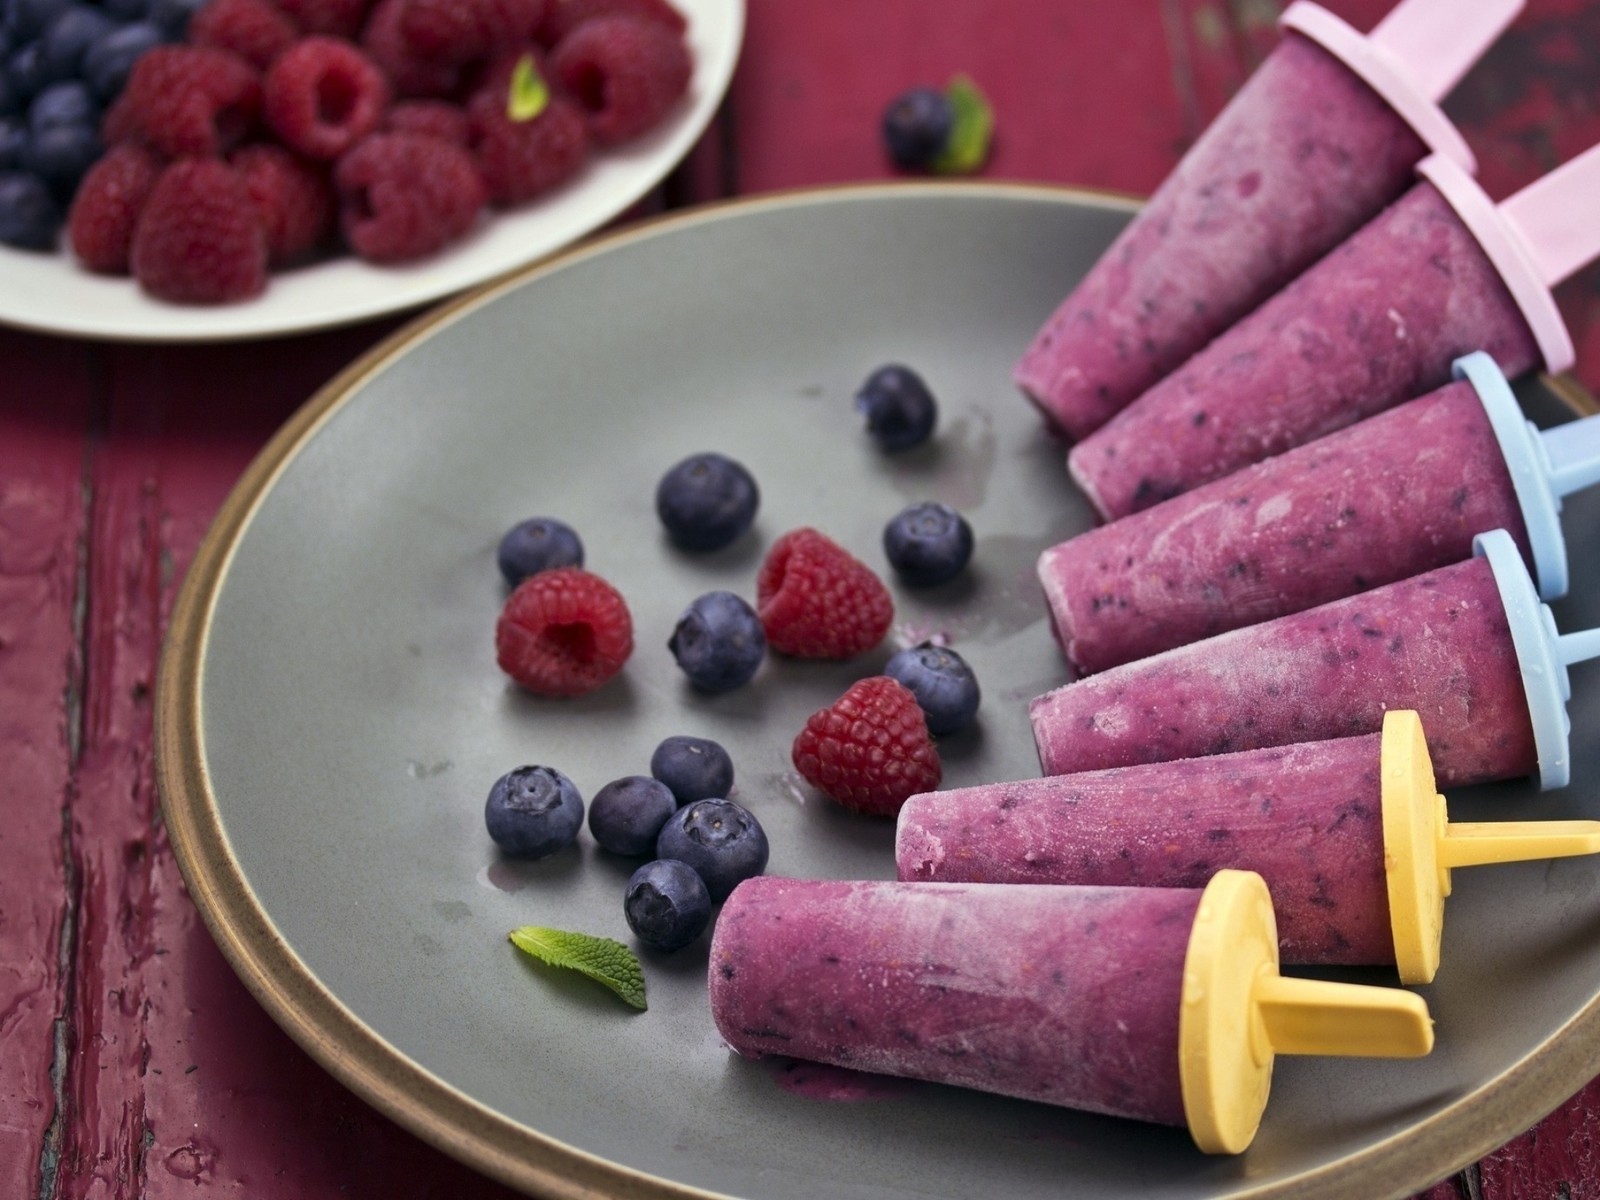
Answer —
530 94
600 958
970 132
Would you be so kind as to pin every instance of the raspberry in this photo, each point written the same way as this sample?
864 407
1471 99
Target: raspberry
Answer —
567 15
199 239
817 601
403 195
463 31
106 207
521 159
431 118
323 95
253 29
870 749
336 18
409 73
186 101
295 199
626 74
563 632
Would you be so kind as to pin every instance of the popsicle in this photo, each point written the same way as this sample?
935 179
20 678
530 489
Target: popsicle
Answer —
1162 1004
1396 495
1469 646
1438 274
1322 136
1351 836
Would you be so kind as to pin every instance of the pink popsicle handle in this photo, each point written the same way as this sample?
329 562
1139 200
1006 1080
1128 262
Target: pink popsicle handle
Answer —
1439 40
1555 217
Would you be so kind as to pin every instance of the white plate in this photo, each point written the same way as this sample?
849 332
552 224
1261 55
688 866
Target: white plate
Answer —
53 294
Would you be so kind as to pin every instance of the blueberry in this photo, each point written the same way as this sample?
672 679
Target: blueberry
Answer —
108 62
627 814
916 127
928 543
72 33
718 642
29 71
722 842
533 811
538 544
29 19
666 904
707 501
61 104
28 214
13 140
899 408
943 683
172 16
10 99
60 155
694 768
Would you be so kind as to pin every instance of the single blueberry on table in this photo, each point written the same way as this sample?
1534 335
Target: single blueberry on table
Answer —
694 768
718 642
627 814
29 217
706 501
538 544
916 127
943 683
928 543
533 812
666 904
899 408
722 842
108 62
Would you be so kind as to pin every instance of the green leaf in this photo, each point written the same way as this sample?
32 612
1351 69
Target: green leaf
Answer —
600 958
530 94
971 131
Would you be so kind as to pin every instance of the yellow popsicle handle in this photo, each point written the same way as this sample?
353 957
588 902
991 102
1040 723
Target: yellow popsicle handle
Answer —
1310 1016
1237 1014
1477 843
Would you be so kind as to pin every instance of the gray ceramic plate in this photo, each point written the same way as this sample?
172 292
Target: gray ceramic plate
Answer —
332 718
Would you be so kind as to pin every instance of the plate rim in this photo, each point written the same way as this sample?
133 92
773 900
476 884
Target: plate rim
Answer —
225 323
468 1130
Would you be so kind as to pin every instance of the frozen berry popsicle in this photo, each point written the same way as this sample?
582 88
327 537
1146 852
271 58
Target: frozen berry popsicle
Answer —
1161 1004
1322 136
1469 646
1350 835
1439 273
1396 495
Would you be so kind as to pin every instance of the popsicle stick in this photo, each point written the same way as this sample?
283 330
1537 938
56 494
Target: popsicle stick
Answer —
1555 217
1478 843
1572 453
1578 646
1312 1016
1438 40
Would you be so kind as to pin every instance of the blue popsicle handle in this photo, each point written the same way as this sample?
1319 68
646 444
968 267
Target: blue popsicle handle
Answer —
1572 455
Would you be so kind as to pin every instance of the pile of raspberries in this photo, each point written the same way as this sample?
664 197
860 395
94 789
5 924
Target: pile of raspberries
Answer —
283 125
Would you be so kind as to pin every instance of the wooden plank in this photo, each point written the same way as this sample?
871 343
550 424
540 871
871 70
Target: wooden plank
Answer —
45 413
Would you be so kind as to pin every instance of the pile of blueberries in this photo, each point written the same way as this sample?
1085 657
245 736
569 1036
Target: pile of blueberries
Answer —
701 845
64 62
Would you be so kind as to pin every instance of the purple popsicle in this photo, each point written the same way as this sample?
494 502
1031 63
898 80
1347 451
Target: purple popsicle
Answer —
1319 139
1397 495
1162 1004
1439 643
1438 274
1308 818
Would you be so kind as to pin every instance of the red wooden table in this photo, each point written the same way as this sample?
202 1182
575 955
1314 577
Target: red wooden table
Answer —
132 1062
